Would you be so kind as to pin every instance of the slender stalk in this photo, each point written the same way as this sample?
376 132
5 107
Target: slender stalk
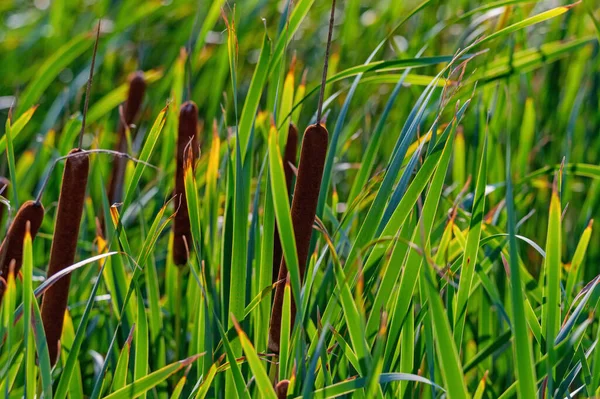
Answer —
326 62
89 85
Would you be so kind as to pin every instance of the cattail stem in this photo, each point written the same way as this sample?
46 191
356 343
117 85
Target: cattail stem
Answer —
64 245
289 162
326 62
11 249
187 136
304 209
137 88
78 154
89 85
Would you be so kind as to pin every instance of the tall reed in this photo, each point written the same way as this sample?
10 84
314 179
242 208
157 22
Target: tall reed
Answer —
11 249
64 245
304 208
135 97
289 163
187 136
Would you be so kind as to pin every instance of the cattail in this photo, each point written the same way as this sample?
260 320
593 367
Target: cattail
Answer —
64 245
187 136
4 183
137 87
281 389
11 249
304 208
289 162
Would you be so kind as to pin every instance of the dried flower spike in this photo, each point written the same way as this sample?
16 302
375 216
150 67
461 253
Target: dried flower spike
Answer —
187 137
64 245
304 208
11 249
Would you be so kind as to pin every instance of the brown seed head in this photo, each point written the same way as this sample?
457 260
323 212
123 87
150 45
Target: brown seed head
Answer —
281 389
64 246
304 209
12 246
187 137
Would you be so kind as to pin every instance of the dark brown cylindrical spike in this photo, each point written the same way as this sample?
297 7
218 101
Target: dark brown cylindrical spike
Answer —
137 88
12 245
289 160
64 246
304 208
281 389
187 136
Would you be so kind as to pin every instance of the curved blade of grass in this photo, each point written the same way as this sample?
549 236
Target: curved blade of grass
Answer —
354 384
117 96
238 379
284 341
211 18
536 19
260 375
334 138
450 366
69 366
10 154
140 364
467 269
421 235
145 155
524 371
28 337
42 350
122 367
282 216
143 385
300 11
575 269
552 270
17 126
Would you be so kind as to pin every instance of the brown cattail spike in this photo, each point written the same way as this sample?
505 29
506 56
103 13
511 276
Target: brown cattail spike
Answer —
64 245
187 137
289 163
12 246
137 88
281 389
304 209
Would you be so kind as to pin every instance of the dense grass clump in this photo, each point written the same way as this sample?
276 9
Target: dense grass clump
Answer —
429 235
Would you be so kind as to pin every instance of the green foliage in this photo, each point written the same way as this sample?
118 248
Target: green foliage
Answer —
463 140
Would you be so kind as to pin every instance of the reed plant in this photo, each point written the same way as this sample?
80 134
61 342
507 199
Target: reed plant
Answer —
430 235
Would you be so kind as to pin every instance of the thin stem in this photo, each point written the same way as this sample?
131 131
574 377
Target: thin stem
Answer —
86 152
326 64
89 85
